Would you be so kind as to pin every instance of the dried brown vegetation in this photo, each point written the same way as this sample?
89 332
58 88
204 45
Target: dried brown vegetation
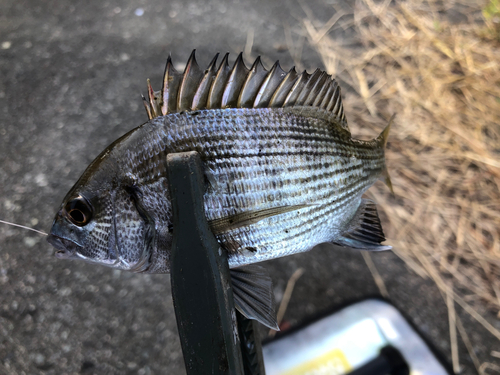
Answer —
437 66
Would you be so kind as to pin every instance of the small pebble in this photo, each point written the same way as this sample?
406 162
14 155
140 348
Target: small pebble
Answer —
39 359
30 241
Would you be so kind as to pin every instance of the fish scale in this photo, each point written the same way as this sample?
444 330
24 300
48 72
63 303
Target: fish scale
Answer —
283 174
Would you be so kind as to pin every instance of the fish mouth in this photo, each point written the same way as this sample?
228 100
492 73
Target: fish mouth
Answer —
65 248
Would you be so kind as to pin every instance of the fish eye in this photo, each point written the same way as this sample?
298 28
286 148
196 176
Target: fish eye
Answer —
78 211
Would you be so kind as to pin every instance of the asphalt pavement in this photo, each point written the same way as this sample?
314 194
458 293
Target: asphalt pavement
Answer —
71 75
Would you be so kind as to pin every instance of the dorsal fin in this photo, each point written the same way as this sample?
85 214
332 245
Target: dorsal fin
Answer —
240 87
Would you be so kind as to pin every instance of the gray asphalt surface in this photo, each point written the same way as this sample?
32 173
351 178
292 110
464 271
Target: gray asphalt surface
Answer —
71 74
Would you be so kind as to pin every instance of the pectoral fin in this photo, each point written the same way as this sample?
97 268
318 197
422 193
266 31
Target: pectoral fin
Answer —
365 230
253 294
243 219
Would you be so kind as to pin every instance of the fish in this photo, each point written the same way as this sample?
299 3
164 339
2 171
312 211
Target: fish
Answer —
283 174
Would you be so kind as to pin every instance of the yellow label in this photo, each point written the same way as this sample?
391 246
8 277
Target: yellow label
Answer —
333 362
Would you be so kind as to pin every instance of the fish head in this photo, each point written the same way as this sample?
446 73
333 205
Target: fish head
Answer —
101 220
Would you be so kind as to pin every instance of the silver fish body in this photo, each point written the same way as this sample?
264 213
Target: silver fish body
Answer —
283 172
255 159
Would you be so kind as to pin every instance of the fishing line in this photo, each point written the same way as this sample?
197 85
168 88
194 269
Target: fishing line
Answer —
22 226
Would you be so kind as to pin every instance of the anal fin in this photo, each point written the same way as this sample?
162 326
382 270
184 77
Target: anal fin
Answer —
365 230
253 294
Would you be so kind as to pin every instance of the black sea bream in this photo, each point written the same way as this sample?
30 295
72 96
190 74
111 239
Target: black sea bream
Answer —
283 173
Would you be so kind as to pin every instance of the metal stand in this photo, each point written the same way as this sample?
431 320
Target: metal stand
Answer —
201 284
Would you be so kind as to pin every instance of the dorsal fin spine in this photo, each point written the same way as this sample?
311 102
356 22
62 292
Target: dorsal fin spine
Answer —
334 100
147 106
171 81
216 90
283 89
315 87
190 81
251 85
234 83
152 101
291 98
308 87
316 99
266 86
201 96
322 95
328 95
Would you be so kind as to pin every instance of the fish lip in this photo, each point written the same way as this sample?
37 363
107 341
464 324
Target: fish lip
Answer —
65 248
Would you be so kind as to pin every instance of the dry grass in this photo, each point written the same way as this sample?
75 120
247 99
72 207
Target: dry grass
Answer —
441 77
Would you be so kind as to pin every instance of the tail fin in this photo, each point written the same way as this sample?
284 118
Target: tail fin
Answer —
382 140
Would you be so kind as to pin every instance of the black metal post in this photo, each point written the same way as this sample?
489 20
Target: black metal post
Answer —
201 285
251 346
